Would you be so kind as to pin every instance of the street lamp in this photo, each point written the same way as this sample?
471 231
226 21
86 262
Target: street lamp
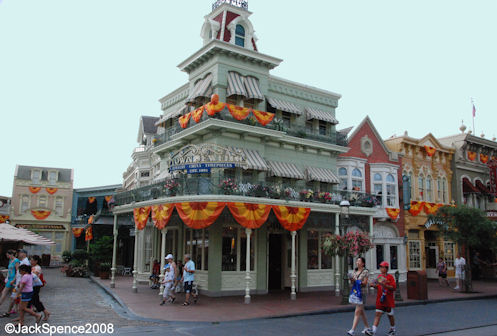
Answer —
344 214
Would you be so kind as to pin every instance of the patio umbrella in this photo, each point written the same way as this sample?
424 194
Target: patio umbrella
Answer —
11 233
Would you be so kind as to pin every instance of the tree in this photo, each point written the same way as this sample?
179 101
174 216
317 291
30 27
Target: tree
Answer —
469 228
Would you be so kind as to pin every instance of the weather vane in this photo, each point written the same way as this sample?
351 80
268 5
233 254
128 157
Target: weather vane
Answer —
237 3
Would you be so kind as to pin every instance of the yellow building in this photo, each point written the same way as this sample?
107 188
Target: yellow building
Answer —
427 175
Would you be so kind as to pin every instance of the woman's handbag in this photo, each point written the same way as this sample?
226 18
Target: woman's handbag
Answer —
355 296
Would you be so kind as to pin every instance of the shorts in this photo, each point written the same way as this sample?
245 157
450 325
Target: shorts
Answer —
443 276
384 309
460 275
188 286
26 297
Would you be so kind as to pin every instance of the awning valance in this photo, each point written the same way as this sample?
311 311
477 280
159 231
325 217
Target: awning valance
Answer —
254 159
252 88
201 89
171 115
235 85
313 113
285 169
284 106
321 175
11 233
468 187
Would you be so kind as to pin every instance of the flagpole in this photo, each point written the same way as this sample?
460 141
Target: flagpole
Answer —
474 110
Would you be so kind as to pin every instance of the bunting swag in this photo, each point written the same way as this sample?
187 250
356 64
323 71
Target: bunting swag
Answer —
3 219
161 214
77 232
34 190
248 215
291 218
431 208
213 108
199 215
416 208
183 120
89 233
262 117
393 213
430 150
108 198
91 199
141 216
197 114
238 112
483 158
51 191
91 219
471 155
40 214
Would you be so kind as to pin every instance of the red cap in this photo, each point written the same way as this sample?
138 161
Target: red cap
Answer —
384 264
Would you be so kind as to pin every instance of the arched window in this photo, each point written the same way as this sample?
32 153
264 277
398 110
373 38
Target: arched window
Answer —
378 188
421 186
342 171
377 177
439 189
240 36
429 189
445 195
391 191
356 180
356 172
390 178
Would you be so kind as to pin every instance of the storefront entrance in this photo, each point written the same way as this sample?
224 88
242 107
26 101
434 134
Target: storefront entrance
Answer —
431 260
274 262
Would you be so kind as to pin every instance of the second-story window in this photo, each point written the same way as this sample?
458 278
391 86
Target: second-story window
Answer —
308 127
439 190
36 176
24 203
429 189
322 127
52 177
342 173
421 184
240 36
445 196
286 117
42 201
356 180
378 187
59 206
391 190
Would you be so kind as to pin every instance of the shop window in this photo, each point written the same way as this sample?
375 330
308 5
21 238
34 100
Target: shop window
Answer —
449 253
229 249
196 244
316 258
394 257
379 255
248 176
414 254
240 36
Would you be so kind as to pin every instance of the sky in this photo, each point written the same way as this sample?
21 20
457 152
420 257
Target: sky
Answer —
75 76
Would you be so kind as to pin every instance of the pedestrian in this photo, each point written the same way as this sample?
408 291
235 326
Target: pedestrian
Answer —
26 293
188 278
442 272
155 274
385 287
168 281
38 282
10 281
179 275
459 264
360 279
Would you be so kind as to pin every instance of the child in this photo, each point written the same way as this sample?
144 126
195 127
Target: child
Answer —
385 286
26 293
168 284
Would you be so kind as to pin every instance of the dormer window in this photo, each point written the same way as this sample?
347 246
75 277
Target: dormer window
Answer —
36 176
240 36
52 177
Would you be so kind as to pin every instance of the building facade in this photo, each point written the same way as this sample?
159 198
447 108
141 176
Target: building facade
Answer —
4 209
236 141
427 172
41 202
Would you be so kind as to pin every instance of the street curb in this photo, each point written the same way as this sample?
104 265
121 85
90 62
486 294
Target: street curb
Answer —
129 314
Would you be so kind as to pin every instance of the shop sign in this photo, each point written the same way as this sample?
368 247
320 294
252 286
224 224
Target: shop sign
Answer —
492 214
237 3
196 159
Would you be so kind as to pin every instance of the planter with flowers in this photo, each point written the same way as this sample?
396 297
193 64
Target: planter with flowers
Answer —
172 187
229 186
324 197
306 195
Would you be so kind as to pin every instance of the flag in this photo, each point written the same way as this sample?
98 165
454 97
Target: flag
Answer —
474 111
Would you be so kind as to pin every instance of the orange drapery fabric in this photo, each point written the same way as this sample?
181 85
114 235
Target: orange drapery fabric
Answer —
161 214
51 191
108 198
471 155
291 218
248 215
183 120
262 117
77 232
197 114
431 208
483 158
89 233
34 190
91 199
40 214
430 150
3 219
393 213
416 208
141 216
238 112
199 215
212 108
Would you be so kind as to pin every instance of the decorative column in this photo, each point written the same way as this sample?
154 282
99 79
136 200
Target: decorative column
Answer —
293 276
162 259
337 258
248 232
371 236
135 261
114 254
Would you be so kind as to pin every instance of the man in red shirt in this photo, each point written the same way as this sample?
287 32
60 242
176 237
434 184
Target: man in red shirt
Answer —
385 287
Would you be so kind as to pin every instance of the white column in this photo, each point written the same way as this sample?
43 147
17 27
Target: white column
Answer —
337 259
114 255
372 264
248 232
135 261
162 259
293 276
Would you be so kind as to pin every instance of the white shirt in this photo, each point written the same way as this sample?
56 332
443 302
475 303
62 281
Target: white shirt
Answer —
169 276
459 263
25 261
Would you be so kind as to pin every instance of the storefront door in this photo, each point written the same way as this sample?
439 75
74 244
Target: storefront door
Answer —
431 260
274 262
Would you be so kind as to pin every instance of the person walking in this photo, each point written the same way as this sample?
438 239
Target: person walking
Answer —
360 278
385 286
26 293
168 282
188 277
38 282
179 275
459 264
10 281
442 272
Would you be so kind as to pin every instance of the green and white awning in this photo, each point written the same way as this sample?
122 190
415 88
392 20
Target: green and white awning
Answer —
314 113
321 175
285 169
201 89
235 85
252 88
284 106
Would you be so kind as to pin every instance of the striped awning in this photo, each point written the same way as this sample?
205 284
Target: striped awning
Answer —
313 113
284 106
254 159
235 85
252 87
201 89
321 175
285 169
171 115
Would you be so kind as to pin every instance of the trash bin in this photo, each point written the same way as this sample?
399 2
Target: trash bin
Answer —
417 288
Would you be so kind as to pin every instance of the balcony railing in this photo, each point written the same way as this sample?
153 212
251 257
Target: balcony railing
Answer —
197 185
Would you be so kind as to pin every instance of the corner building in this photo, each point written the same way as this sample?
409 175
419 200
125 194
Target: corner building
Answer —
235 143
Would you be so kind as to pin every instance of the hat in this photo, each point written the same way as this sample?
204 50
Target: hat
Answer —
169 256
384 264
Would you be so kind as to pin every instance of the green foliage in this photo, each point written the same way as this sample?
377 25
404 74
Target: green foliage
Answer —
105 267
76 263
101 249
80 255
67 256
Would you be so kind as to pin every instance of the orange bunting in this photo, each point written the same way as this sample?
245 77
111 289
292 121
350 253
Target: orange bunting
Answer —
197 114
91 220
291 218
141 216
212 108
183 120
108 198
471 155
430 150
393 213
416 208
199 215
4 218
264 118
89 233
91 199
238 112
34 190
248 215
431 208
77 232
40 214
51 191
483 158
161 214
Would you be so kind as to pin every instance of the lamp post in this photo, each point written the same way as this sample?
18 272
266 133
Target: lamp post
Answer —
344 215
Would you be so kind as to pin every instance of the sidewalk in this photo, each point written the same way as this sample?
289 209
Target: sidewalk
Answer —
145 303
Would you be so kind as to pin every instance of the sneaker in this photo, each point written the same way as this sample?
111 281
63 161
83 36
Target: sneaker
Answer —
162 303
368 331
457 287
391 332
351 332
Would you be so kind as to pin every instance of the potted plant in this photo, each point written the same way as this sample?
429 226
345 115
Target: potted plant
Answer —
306 195
172 187
228 186
105 270
66 256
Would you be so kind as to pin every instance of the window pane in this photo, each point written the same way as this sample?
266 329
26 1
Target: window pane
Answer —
377 177
357 185
239 41
312 250
379 255
356 172
342 171
343 184
239 30
326 260
390 178
414 254
393 257
229 249
449 253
